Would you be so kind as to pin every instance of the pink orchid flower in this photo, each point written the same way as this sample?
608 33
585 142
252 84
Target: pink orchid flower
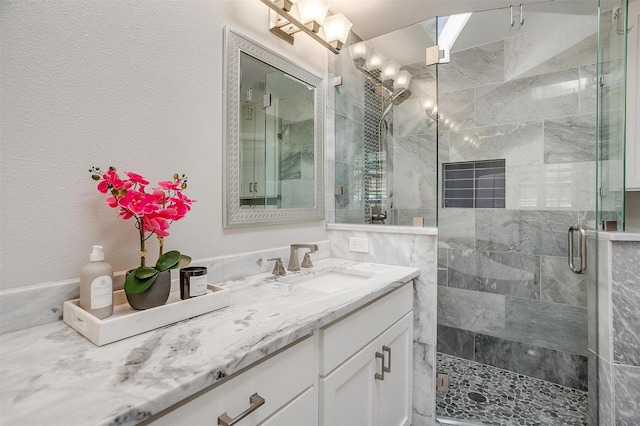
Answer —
153 212
136 178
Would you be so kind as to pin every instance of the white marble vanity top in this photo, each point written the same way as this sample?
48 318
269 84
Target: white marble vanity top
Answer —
50 374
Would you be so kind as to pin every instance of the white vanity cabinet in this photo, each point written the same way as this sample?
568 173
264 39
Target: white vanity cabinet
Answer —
354 372
366 364
287 382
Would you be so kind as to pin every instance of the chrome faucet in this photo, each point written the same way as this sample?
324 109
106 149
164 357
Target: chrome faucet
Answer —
294 262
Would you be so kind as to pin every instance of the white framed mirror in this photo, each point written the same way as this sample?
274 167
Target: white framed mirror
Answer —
273 138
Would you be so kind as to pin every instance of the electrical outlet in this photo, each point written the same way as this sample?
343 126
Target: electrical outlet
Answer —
360 245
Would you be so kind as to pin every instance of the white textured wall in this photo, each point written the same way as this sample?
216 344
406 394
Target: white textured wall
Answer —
135 84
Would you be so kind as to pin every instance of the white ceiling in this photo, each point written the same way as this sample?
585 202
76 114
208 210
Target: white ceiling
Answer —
372 18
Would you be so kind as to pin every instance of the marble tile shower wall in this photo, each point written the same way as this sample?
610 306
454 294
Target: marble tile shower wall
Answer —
506 297
614 305
348 160
296 165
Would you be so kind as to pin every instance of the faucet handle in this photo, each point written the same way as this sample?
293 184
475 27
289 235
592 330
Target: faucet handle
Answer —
306 262
278 268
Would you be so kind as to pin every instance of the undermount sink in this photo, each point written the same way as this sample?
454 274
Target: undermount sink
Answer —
330 280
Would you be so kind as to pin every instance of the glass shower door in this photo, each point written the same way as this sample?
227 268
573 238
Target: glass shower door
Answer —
520 112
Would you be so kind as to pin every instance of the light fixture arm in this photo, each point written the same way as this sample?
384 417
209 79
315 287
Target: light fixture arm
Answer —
294 21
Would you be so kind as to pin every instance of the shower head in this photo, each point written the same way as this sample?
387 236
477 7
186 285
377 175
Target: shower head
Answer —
396 99
400 96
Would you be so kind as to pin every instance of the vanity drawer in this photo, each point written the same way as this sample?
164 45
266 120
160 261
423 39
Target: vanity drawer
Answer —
281 380
342 339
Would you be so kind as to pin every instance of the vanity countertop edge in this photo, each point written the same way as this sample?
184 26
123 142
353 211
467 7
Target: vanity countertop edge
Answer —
51 374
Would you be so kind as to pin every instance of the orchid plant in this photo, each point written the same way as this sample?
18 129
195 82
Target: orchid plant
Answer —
153 213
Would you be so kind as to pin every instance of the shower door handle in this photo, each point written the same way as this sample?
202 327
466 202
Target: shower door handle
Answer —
582 239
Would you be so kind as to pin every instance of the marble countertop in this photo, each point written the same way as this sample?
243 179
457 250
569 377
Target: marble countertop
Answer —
50 374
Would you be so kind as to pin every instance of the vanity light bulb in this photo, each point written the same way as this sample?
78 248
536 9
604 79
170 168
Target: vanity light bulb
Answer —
390 70
358 50
313 11
375 61
403 80
427 105
336 28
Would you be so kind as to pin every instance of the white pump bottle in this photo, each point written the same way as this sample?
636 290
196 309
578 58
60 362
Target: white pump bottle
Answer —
96 285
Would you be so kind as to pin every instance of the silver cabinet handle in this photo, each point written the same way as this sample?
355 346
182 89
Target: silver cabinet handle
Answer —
388 350
380 376
250 186
255 401
583 249
255 186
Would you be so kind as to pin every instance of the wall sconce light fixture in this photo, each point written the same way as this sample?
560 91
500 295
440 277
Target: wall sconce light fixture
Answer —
287 17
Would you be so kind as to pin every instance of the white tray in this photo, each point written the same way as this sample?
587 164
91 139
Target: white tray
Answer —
126 321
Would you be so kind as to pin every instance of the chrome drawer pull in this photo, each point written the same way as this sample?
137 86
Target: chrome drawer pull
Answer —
380 376
255 401
387 369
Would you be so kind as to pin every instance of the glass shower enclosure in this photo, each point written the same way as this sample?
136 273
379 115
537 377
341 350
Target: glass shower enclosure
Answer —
513 137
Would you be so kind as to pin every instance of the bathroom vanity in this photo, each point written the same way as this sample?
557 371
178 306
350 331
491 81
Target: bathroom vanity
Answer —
286 351
358 367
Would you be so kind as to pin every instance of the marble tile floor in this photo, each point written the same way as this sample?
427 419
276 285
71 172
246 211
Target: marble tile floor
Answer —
511 398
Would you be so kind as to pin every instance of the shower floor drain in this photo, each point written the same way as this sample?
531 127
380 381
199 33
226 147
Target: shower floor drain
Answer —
477 397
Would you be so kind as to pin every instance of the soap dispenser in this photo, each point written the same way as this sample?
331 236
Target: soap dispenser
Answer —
96 285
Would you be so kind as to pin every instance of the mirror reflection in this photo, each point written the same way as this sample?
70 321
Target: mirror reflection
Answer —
276 138
273 137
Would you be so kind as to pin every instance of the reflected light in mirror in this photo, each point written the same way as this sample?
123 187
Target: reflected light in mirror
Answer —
428 105
390 70
375 61
403 80
358 50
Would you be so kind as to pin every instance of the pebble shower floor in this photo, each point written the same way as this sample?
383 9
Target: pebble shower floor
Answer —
511 399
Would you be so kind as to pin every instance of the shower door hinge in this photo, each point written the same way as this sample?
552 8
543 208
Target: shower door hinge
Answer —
435 55
601 192
601 81
442 382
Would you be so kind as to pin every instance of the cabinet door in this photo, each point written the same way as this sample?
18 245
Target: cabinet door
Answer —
394 392
352 395
344 338
349 394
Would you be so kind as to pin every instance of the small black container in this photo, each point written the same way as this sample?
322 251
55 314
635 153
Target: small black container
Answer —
193 282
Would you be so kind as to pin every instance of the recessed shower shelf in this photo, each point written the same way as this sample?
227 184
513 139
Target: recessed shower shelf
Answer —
126 321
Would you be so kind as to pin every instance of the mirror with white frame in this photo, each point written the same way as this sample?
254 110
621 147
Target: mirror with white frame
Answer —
273 137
